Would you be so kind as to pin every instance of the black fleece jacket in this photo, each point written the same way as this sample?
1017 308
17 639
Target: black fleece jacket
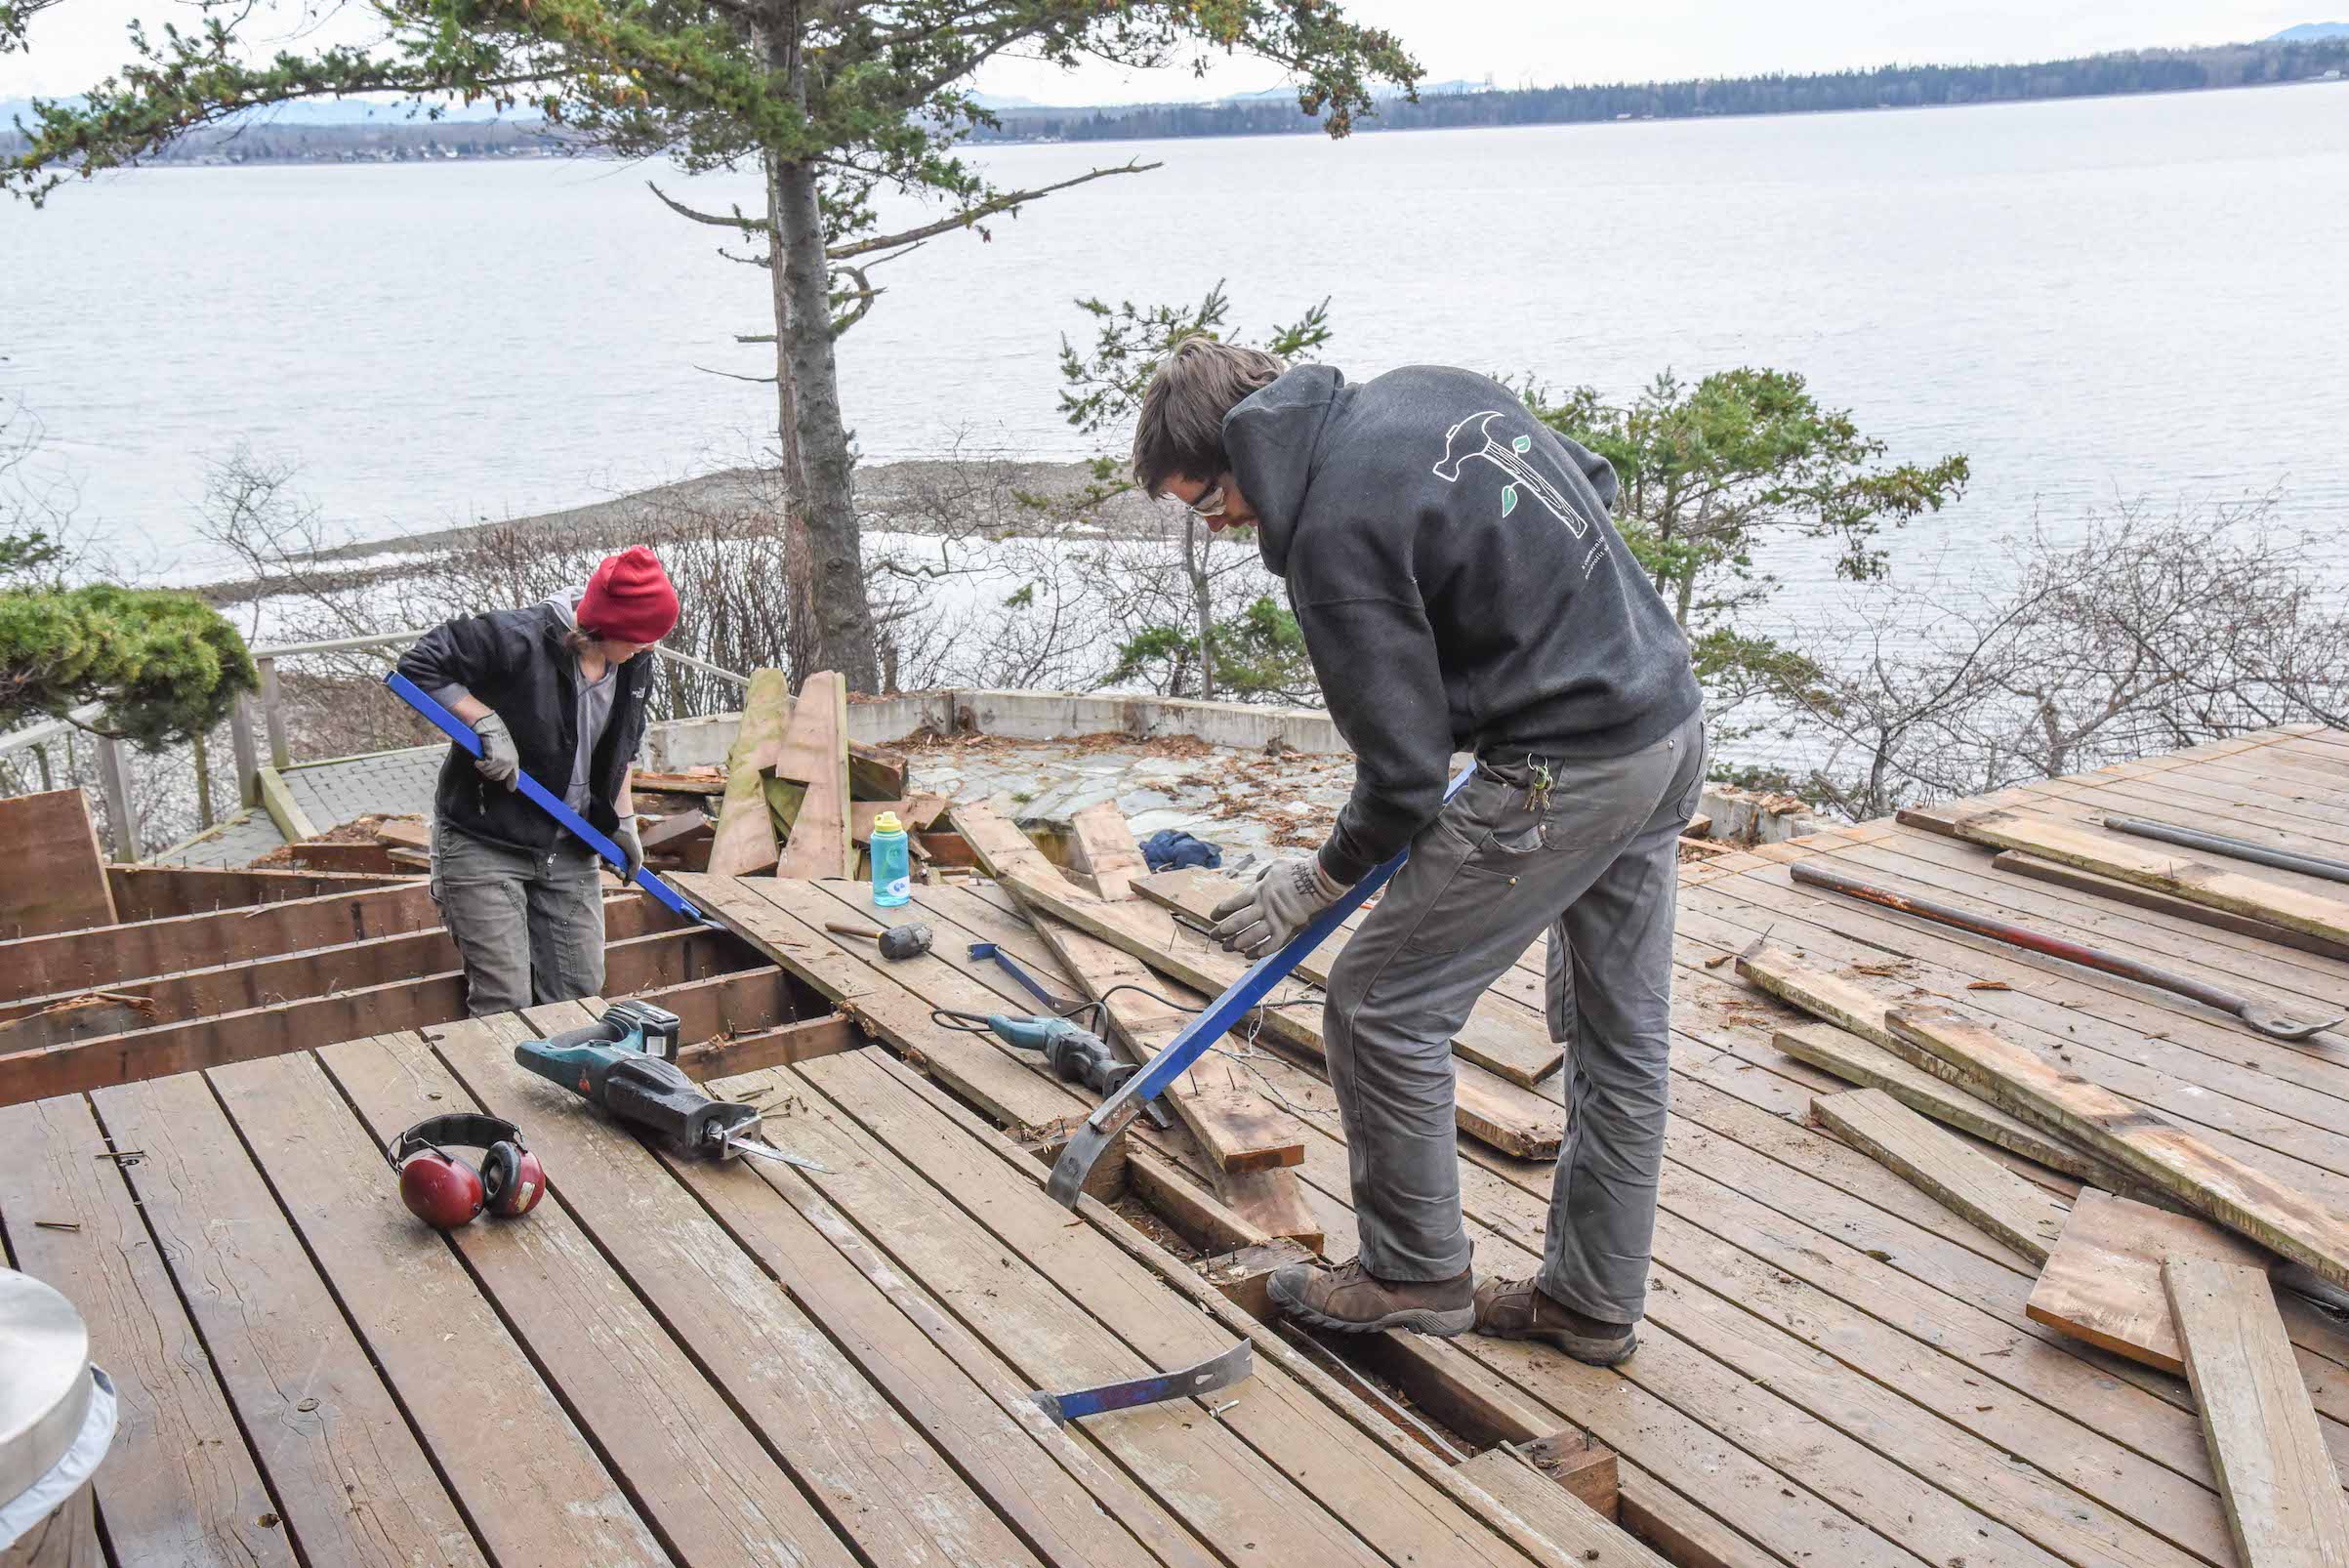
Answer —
1459 585
516 661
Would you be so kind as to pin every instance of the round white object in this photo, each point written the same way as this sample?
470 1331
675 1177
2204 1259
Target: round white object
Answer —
46 1394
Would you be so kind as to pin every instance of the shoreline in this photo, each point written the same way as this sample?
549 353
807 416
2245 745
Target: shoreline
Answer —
931 496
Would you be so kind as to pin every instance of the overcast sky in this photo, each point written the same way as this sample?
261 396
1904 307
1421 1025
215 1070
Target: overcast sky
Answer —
1538 42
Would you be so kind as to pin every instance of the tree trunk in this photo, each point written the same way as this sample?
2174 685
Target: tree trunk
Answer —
843 616
800 641
1194 565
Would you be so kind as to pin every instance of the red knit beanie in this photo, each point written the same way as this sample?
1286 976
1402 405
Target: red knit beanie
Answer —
629 598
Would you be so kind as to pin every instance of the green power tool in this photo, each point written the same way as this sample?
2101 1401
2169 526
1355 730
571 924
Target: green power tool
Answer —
625 1063
1078 1056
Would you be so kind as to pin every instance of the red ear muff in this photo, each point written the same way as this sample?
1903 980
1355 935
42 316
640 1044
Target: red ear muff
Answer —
512 1181
442 1192
446 1192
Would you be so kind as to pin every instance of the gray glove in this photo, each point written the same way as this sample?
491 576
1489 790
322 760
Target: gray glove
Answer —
499 760
1282 901
632 845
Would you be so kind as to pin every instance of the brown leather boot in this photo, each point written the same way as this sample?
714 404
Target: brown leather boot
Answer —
1352 1301
1517 1309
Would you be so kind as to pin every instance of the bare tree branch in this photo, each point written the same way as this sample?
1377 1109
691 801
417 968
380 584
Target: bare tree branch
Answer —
974 214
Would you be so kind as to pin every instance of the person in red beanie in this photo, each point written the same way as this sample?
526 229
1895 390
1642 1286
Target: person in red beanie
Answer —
557 690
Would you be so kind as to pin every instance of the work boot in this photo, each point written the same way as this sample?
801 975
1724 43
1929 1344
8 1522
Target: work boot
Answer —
1352 1301
1518 1310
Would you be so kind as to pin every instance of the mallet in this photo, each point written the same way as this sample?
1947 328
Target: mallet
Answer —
897 941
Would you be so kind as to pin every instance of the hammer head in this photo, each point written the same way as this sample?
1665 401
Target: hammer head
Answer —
1466 439
904 941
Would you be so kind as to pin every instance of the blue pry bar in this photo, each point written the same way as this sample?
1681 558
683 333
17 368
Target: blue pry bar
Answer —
458 730
1112 1115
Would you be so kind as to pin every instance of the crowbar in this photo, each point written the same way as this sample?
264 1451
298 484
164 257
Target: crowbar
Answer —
2239 849
1113 1115
1217 1372
2258 1014
1059 1007
458 730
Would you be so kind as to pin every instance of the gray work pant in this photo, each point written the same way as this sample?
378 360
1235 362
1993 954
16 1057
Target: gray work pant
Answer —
1597 867
528 927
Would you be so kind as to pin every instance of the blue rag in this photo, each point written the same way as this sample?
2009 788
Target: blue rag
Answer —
1170 851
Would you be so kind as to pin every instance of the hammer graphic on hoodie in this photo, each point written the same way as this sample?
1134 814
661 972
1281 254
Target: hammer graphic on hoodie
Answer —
1444 613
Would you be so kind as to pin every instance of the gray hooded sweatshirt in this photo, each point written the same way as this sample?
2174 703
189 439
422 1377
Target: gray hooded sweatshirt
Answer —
1459 585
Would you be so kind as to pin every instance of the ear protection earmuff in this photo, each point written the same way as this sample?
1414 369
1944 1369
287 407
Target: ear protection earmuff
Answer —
446 1192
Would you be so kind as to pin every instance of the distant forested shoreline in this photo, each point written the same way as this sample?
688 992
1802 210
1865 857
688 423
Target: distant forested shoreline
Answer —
2150 71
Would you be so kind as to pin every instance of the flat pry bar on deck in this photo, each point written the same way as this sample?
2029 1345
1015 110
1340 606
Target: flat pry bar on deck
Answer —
547 801
1115 1114
1217 1372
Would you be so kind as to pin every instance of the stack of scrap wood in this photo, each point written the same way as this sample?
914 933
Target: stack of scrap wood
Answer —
373 845
798 798
2175 1254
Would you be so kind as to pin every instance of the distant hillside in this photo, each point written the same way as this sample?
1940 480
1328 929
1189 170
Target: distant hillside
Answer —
2310 31
2150 71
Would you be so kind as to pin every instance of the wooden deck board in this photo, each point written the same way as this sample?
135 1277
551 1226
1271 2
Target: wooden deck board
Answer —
351 1477
696 1473
1836 1367
179 1484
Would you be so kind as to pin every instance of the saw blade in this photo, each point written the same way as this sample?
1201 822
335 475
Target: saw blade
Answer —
764 1151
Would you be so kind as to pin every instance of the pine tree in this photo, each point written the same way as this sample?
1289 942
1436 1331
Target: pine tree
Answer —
833 100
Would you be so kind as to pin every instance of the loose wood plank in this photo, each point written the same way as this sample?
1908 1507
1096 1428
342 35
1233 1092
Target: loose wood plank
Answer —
531 1483
1489 1108
70 960
2141 1141
814 752
2059 875
350 859
2169 871
1238 1128
1856 1061
1103 846
1862 1013
2285 1503
57 873
876 773
2017 1211
745 838
2103 1281
343 1466
179 1484
1505 1041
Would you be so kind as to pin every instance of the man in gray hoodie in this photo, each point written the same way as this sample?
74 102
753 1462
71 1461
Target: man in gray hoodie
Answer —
1460 587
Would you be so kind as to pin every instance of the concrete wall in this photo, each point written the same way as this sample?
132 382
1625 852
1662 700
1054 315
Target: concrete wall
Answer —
1024 716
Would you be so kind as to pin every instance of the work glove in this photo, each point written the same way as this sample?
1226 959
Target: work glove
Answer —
1280 902
631 845
499 760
